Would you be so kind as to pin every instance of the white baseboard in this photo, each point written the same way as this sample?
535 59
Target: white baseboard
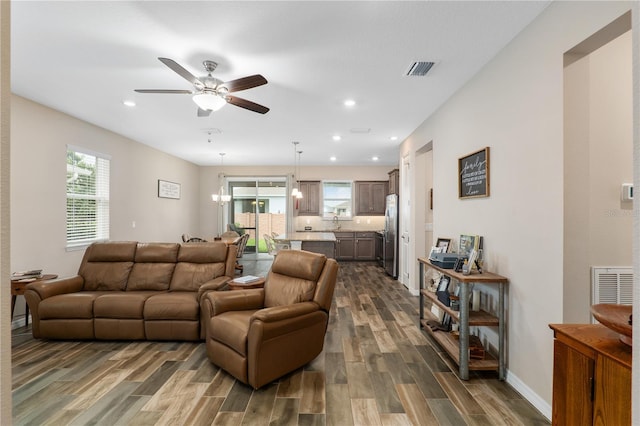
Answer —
18 322
524 390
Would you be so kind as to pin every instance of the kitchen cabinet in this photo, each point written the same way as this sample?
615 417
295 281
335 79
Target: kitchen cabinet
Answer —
458 346
394 181
309 204
591 376
370 197
345 245
355 245
365 246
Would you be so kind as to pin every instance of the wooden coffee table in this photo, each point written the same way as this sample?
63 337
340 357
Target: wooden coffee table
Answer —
234 285
19 286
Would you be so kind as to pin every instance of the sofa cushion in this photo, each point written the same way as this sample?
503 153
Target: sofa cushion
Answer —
150 276
157 253
292 278
172 306
211 252
104 276
121 305
68 306
190 276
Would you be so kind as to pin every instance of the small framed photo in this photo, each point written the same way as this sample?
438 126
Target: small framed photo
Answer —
443 284
443 243
168 189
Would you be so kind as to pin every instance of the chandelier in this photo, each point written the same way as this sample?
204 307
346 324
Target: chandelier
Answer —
221 197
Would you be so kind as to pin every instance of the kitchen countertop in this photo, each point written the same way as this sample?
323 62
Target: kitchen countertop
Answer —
307 236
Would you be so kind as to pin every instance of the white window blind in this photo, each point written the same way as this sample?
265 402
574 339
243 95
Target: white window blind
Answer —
336 199
87 197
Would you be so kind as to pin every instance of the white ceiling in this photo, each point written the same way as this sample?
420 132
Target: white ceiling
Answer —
85 58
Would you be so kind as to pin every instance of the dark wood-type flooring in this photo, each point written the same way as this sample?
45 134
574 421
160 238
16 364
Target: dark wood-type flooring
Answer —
377 368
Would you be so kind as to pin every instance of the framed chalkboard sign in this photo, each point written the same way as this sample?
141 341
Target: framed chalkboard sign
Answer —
473 174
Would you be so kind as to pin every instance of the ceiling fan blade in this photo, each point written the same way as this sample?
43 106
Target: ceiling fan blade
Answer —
176 67
243 103
183 92
245 83
203 112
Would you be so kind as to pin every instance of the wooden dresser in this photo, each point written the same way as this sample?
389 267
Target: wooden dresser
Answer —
591 376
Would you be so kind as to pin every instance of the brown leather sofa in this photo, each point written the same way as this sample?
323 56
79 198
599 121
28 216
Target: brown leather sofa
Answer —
259 335
132 291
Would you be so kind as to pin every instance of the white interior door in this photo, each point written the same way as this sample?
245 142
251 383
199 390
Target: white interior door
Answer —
405 222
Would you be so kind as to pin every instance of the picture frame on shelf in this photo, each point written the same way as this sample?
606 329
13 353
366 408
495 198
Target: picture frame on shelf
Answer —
444 244
468 243
443 284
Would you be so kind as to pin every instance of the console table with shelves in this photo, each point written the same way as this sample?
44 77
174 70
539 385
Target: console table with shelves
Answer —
458 348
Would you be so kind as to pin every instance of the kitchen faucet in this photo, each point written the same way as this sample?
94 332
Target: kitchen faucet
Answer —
336 224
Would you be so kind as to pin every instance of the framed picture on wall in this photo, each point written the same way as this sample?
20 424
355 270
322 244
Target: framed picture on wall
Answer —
168 189
473 174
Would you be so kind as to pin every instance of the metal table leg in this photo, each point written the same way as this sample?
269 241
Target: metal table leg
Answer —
464 331
420 284
501 334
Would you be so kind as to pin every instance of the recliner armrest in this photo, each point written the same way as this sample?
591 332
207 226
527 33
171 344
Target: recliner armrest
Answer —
279 313
46 289
236 300
213 285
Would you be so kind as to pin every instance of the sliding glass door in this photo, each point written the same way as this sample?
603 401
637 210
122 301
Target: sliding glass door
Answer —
258 206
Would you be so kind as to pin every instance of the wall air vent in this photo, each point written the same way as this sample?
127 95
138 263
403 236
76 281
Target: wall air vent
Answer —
611 284
420 69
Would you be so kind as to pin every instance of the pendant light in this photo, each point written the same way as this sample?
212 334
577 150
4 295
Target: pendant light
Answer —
299 194
294 192
221 197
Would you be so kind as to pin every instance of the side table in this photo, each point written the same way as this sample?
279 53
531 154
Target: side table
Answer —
234 285
17 289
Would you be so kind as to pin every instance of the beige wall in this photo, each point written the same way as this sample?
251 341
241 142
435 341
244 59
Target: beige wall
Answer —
515 106
39 136
598 159
5 295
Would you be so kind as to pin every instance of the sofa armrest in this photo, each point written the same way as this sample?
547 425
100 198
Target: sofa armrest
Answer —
279 313
46 289
218 302
215 284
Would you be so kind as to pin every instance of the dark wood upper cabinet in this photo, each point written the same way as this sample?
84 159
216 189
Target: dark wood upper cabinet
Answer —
370 197
394 181
309 205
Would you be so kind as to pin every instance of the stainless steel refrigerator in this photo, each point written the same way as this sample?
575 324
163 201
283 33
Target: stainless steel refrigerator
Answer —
390 243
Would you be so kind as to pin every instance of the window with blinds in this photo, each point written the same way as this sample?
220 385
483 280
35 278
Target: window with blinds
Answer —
87 197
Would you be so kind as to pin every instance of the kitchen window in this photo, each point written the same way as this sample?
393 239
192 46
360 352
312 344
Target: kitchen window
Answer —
87 197
337 199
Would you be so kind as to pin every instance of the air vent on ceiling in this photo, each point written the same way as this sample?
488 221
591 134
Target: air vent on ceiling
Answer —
420 69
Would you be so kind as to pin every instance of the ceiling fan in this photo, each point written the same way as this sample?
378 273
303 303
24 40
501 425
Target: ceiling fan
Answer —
211 94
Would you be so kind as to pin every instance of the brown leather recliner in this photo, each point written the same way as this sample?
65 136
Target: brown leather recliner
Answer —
259 335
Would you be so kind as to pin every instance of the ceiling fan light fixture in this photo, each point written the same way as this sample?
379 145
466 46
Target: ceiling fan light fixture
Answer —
209 101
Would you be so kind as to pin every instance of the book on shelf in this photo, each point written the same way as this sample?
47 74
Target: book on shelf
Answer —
247 279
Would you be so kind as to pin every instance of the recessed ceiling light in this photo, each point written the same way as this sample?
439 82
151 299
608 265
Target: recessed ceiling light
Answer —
129 103
374 158
332 158
349 103
337 137
393 138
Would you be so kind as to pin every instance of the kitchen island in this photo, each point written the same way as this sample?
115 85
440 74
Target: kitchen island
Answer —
317 242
